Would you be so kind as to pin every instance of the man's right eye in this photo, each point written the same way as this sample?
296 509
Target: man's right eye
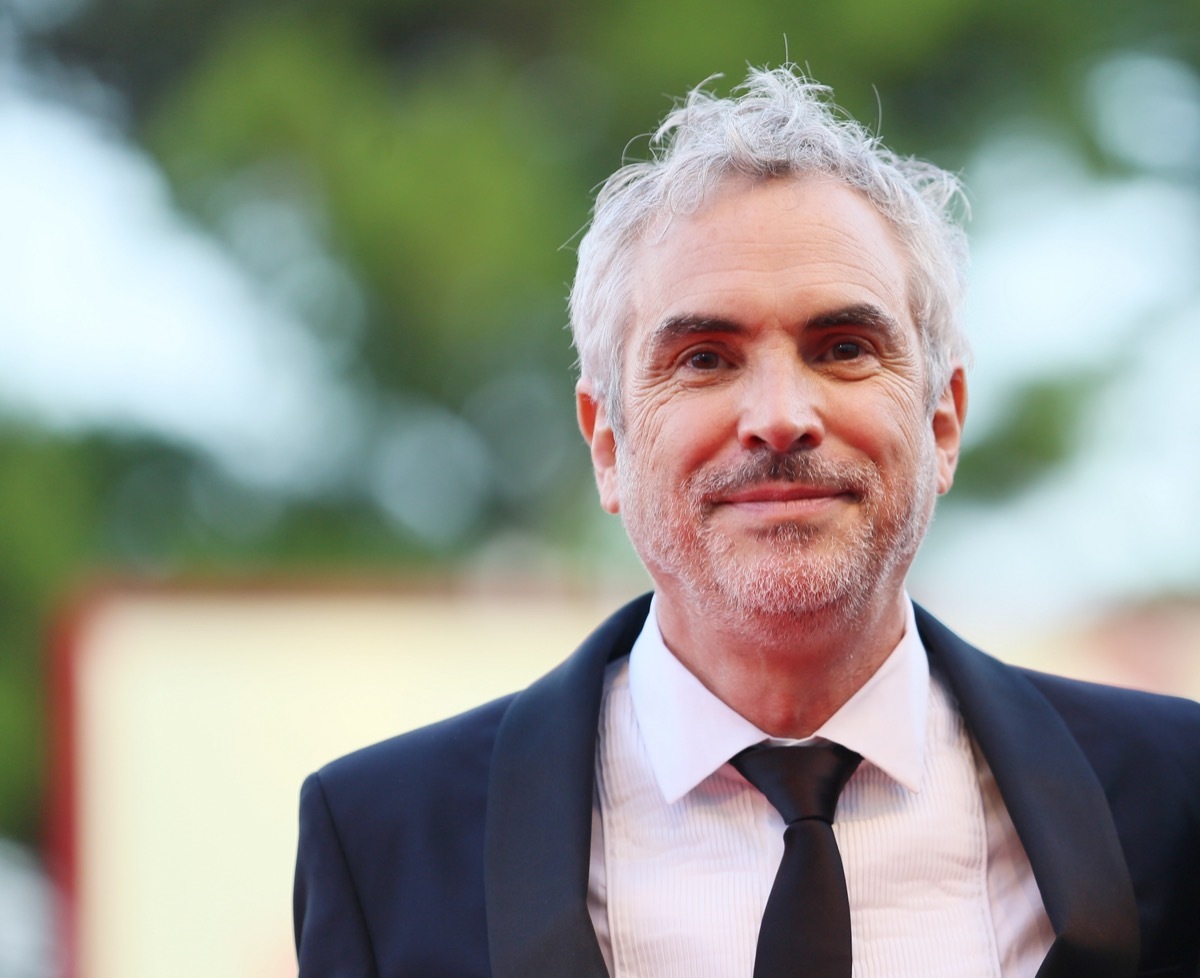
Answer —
704 360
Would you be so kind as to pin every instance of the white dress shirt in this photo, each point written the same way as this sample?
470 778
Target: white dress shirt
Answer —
684 851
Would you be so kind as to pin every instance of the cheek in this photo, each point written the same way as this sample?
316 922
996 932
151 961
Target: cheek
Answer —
679 430
901 417
894 433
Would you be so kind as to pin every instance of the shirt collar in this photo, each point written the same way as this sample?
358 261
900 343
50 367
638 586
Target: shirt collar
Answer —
689 733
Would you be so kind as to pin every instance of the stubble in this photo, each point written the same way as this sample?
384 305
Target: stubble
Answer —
784 570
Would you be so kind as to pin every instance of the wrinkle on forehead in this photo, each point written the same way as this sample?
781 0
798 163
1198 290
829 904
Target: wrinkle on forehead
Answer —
736 190
838 237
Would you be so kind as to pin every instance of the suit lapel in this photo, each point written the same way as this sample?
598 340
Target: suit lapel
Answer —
539 817
542 782
1056 803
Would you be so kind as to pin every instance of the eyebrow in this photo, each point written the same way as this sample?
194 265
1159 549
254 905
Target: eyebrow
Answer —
678 328
861 314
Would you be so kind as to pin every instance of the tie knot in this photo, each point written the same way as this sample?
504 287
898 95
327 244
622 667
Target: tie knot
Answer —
801 782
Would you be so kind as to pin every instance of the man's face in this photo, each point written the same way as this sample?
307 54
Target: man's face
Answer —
778 454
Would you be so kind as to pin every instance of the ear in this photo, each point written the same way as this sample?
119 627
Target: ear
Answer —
949 414
598 433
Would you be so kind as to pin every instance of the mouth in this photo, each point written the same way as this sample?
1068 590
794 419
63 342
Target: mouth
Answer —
784 503
783 492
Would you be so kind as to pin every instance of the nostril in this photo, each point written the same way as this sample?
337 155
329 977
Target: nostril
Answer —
782 432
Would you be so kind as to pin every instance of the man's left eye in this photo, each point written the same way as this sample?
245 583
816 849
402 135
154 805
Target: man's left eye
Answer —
846 350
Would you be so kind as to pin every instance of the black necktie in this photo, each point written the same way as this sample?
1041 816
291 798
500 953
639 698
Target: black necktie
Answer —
806 926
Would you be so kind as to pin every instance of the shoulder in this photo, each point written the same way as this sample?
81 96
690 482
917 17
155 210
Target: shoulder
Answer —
1127 727
391 846
1089 697
1130 734
462 746
434 763
368 820
450 762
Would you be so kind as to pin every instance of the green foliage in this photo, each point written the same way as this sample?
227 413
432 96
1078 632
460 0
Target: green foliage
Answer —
1037 434
22 752
435 182
50 515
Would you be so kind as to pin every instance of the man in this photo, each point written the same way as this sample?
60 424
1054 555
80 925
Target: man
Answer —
772 388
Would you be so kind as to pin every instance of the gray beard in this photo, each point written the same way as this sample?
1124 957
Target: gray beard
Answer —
792 577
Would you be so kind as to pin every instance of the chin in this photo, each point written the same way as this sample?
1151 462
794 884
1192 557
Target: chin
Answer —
797 575
785 594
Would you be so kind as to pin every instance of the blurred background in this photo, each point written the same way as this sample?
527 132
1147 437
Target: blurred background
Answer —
282 297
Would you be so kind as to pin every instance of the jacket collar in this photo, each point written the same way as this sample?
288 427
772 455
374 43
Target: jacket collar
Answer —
539 820
539 816
1057 806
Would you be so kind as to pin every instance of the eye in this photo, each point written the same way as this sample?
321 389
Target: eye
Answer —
704 360
845 350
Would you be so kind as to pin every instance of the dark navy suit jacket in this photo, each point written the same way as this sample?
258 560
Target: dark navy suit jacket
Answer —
462 849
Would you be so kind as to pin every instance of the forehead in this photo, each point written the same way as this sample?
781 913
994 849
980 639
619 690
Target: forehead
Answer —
778 250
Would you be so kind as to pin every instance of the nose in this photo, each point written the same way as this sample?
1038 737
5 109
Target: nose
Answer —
781 406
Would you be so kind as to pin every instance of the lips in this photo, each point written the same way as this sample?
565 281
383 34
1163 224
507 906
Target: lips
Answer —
796 482
782 493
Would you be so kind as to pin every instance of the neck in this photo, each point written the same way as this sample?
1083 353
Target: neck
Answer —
787 674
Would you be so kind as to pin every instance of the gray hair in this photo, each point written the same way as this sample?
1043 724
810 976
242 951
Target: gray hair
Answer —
779 123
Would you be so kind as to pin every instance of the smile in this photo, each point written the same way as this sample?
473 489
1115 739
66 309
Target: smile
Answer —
783 492
785 500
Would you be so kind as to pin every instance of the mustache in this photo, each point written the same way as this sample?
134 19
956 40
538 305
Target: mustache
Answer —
800 466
